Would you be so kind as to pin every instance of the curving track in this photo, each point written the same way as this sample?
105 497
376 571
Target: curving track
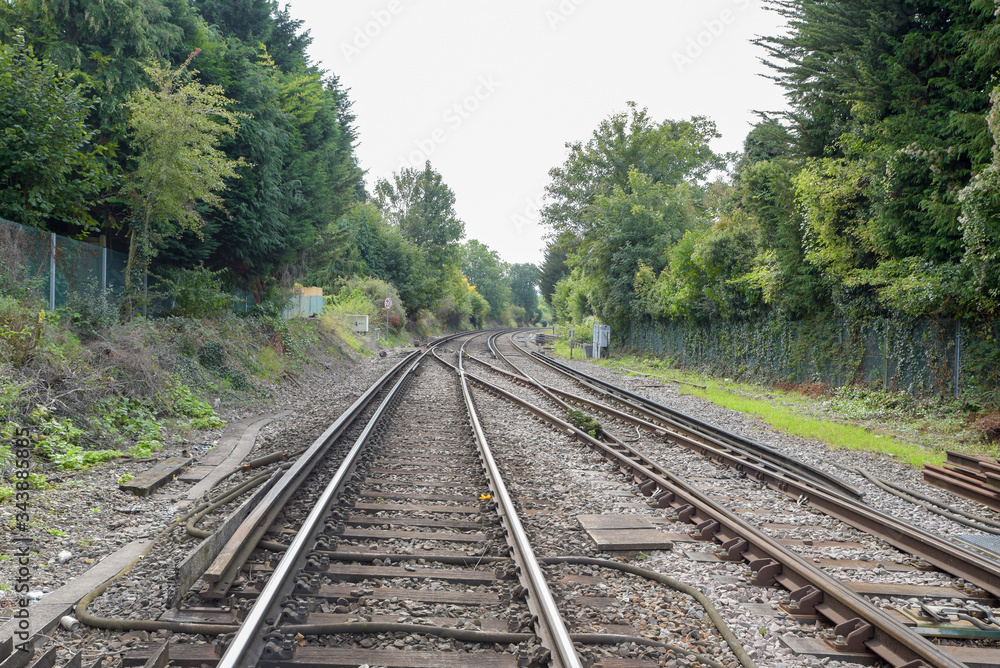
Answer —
439 522
860 624
395 541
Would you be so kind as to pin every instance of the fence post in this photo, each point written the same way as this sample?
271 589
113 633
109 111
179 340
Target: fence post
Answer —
104 264
885 358
958 354
840 352
52 273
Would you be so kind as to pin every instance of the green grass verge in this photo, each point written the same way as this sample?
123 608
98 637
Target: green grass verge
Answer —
832 433
780 409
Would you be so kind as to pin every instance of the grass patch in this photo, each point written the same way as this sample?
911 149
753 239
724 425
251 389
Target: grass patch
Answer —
787 411
270 363
832 433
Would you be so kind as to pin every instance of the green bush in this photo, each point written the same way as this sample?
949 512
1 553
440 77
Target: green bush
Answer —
366 296
212 355
131 419
92 310
197 293
57 441
185 404
21 331
584 422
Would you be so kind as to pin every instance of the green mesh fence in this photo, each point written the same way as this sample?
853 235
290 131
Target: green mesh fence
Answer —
24 255
921 357
81 268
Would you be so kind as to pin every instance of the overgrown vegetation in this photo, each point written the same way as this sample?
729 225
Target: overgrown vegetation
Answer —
584 422
88 395
201 137
870 204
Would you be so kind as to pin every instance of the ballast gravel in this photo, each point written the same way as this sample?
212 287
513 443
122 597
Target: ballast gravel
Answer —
86 515
833 460
529 452
587 484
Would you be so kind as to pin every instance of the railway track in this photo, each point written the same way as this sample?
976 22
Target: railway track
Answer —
457 519
405 550
859 625
413 536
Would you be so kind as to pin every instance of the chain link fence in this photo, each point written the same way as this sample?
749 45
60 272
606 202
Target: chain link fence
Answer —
920 357
59 270
56 268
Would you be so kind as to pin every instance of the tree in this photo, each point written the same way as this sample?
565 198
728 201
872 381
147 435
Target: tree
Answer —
791 284
767 140
110 40
981 224
487 273
632 227
554 266
50 168
175 130
523 280
670 152
624 197
889 101
422 207
254 235
247 20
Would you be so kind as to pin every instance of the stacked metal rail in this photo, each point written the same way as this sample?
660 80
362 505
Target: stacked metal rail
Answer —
969 476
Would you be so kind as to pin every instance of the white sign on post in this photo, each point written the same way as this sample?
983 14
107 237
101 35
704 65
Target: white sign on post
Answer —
602 339
388 305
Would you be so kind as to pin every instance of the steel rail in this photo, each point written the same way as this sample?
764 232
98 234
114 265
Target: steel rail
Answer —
552 630
950 557
495 351
739 540
707 446
682 421
277 586
222 571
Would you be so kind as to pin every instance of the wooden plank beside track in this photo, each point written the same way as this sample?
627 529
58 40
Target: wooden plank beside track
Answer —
153 479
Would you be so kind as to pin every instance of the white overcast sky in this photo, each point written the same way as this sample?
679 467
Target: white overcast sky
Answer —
490 91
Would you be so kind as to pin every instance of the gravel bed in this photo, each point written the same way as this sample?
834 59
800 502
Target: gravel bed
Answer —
88 517
528 451
90 505
815 452
431 405
763 506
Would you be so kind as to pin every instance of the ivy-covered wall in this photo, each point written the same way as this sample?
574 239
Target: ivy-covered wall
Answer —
916 356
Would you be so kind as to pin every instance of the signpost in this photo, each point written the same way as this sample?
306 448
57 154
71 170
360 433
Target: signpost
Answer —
388 305
602 339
